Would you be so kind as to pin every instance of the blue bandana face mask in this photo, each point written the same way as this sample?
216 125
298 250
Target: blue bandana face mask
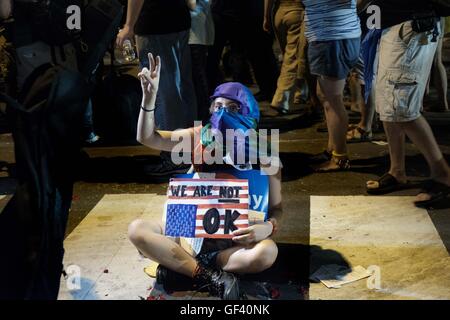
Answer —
225 120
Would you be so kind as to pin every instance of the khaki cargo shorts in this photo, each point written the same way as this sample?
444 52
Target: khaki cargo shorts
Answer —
405 61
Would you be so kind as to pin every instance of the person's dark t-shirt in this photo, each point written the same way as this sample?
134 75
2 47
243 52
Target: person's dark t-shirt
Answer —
163 17
394 12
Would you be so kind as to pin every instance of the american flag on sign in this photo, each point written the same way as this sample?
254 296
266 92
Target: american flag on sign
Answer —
206 208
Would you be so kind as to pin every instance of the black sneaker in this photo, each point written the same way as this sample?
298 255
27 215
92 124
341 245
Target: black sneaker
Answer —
173 281
226 286
219 283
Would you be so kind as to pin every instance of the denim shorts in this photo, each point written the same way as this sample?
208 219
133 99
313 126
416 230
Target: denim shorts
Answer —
334 58
405 62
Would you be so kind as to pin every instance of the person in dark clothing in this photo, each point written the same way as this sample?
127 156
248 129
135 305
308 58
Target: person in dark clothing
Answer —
163 27
200 40
228 31
239 24
35 219
260 53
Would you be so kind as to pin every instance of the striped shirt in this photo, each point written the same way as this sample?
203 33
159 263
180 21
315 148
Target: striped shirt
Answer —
331 20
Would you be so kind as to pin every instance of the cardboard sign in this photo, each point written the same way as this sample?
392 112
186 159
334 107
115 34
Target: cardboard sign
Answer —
206 208
258 186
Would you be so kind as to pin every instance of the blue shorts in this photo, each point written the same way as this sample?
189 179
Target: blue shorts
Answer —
334 58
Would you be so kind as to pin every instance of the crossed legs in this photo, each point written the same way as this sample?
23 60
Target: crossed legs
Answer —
149 239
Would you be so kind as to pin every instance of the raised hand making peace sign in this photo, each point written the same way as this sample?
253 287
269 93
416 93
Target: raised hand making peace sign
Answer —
150 81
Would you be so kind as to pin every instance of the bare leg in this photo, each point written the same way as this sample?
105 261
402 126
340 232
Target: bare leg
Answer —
321 98
313 98
440 77
367 112
253 259
396 139
149 240
422 136
357 100
336 115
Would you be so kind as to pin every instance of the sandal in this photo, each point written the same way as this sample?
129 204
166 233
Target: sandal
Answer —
321 157
342 162
438 191
387 184
357 134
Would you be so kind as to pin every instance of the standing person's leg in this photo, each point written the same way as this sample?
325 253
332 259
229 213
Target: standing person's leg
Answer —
440 74
362 132
215 53
336 115
259 47
356 99
88 125
420 133
199 55
169 95
183 72
402 79
368 112
332 62
280 32
239 63
169 101
289 25
304 74
396 140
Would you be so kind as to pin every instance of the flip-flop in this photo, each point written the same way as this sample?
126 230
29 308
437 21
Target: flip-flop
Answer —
438 192
356 134
387 184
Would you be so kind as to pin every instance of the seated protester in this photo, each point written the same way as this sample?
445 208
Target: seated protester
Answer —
333 31
251 250
411 31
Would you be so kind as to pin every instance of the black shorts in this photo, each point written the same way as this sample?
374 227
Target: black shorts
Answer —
210 250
